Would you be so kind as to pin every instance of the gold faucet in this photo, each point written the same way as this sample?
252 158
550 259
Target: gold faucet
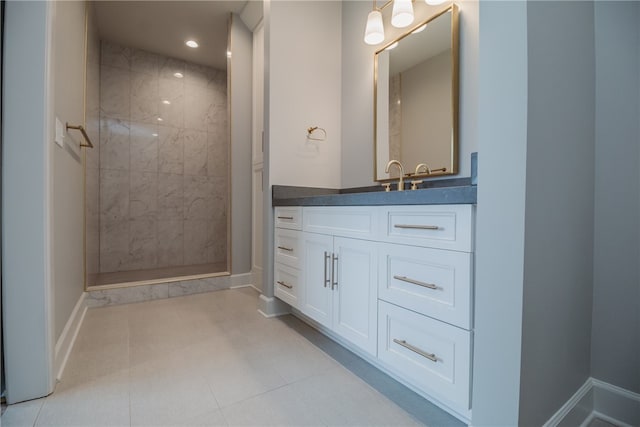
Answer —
401 181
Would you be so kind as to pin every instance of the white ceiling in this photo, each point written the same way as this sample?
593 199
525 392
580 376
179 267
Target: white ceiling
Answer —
163 27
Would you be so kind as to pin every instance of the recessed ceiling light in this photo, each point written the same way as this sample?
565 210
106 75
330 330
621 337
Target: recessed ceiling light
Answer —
154 134
166 102
191 43
178 75
392 46
159 119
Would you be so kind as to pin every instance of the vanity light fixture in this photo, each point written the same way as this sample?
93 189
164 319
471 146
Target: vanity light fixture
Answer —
374 31
401 16
191 43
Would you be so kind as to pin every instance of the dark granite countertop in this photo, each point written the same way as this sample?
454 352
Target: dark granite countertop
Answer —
443 192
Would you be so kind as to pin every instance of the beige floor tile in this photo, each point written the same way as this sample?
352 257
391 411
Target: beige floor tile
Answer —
280 407
340 398
102 402
22 414
210 419
203 360
238 379
164 393
300 360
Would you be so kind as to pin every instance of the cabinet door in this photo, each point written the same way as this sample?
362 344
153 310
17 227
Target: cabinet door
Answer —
317 277
354 283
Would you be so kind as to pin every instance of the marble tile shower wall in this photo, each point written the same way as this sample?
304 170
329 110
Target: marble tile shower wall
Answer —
92 122
163 161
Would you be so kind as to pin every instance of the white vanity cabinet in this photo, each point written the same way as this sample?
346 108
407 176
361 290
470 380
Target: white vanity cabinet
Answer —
338 273
425 292
394 281
288 250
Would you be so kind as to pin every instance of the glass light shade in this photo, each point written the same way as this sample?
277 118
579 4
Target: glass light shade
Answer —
434 2
374 31
402 14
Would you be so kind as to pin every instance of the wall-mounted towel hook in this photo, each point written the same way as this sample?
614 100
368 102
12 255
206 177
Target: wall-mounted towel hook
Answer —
84 134
320 133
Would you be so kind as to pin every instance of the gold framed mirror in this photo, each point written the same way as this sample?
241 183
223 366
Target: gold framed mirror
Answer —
416 91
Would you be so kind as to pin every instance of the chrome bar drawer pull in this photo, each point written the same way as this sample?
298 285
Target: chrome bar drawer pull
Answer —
417 227
416 282
285 249
286 217
430 356
334 273
326 278
280 282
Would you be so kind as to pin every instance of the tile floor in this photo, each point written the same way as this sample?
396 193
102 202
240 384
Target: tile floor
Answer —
211 359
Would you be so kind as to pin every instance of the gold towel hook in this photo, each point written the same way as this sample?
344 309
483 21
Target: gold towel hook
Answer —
312 129
84 134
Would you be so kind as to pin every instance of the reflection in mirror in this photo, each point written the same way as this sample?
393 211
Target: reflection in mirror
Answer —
416 100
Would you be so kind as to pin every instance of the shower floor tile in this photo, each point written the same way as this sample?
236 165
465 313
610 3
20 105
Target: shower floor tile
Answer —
118 277
212 359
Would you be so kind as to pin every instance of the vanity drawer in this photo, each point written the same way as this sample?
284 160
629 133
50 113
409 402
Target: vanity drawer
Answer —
433 282
288 247
287 284
436 226
288 217
431 355
353 221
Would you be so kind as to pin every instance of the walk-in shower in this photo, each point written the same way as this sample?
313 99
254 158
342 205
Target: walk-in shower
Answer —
157 181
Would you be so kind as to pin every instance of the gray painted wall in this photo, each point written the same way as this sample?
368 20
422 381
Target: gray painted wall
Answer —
615 346
240 78
26 169
557 303
68 173
500 226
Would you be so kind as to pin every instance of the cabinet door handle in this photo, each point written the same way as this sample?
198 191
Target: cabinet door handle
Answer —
285 249
326 278
417 227
286 217
280 282
334 272
416 282
430 356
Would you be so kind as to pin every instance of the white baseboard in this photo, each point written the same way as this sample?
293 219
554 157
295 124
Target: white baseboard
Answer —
598 399
615 404
241 280
570 405
256 289
272 307
64 345
257 278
